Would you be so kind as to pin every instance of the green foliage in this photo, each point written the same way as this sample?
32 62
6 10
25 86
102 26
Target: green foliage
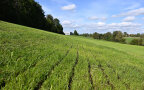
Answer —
125 34
129 39
108 36
138 35
134 42
75 32
123 40
95 35
28 13
142 36
137 42
117 36
35 59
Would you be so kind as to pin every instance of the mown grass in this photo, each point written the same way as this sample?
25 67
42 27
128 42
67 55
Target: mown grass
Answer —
35 59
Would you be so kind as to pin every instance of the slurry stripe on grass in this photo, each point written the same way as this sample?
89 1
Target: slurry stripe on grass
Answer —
50 54
16 74
2 84
127 85
72 72
38 86
106 76
90 76
33 65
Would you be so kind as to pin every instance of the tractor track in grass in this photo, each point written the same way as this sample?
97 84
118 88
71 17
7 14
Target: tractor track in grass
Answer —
40 83
127 85
89 72
90 75
114 71
106 76
17 73
35 63
72 72
3 83
46 56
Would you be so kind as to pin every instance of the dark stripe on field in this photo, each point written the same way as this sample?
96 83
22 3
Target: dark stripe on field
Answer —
72 72
40 83
90 76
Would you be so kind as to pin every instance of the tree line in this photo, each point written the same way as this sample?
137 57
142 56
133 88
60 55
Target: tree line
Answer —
117 36
28 13
138 41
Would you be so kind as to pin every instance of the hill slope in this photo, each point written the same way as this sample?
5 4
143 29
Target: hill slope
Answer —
36 59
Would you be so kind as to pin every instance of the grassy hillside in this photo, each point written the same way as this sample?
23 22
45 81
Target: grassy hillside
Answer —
35 59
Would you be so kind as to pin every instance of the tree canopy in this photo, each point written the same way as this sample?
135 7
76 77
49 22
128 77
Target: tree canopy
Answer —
116 36
28 13
75 32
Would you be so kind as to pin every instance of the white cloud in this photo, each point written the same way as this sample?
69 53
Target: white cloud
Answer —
103 18
97 18
69 7
102 27
135 12
66 22
70 24
93 18
113 24
94 25
129 19
100 24
122 26
76 26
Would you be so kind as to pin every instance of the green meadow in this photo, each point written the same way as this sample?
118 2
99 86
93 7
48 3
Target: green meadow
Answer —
33 59
129 39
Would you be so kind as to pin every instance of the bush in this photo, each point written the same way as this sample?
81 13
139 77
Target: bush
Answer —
117 36
140 42
123 40
75 32
137 42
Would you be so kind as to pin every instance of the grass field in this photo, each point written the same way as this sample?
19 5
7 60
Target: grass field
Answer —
129 39
32 59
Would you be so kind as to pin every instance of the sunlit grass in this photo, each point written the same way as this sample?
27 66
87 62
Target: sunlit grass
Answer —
35 59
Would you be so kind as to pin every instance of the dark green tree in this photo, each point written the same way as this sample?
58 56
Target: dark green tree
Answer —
138 35
101 36
137 42
125 34
142 36
108 36
28 13
50 22
117 36
96 35
59 28
75 32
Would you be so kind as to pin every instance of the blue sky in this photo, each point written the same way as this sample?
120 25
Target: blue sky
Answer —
88 16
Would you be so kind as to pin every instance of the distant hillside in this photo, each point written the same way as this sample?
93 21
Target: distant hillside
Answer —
33 59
